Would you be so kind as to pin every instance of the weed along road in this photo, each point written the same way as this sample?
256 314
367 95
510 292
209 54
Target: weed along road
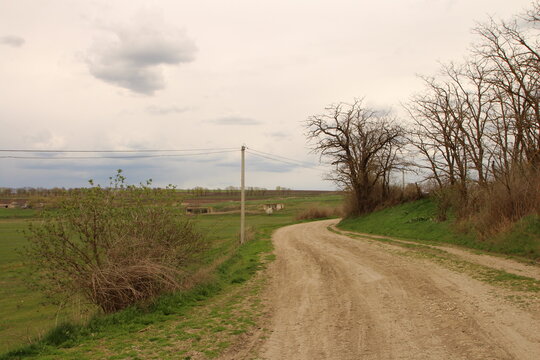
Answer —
334 297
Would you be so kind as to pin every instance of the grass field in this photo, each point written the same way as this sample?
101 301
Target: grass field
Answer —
25 315
415 221
17 213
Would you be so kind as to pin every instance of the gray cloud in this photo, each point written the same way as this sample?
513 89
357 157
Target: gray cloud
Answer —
182 171
165 110
12 40
279 134
235 120
132 58
261 165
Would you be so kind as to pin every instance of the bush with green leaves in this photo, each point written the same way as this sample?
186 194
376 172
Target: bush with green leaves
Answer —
114 246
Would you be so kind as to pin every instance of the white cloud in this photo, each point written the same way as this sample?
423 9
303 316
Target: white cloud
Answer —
45 140
133 57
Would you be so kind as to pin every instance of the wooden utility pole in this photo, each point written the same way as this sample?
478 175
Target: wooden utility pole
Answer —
243 198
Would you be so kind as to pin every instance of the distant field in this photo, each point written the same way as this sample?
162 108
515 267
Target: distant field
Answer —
192 196
23 311
17 213
23 314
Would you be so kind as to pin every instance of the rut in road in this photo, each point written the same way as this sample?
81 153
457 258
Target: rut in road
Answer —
338 298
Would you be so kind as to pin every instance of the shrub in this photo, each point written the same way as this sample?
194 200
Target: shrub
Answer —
493 208
499 206
114 246
313 213
379 199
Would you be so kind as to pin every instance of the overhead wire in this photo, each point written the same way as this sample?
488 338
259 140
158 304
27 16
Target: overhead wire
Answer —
303 163
113 157
285 161
112 151
184 153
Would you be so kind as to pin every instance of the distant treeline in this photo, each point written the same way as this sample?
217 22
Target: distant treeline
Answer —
31 192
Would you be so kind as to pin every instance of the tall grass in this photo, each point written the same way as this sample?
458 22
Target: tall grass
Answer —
418 221
498 207
494 208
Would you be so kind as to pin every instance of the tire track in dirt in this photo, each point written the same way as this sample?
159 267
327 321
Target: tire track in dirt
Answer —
332 297
492 261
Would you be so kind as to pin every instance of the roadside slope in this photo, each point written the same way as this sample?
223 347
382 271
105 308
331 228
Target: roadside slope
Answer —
416 221
336 297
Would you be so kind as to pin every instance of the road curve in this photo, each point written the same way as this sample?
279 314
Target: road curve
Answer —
333 297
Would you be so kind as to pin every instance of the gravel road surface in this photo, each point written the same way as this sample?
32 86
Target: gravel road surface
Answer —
333 297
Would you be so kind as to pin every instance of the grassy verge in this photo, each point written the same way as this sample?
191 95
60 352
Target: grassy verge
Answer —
114 336
497 277
415 221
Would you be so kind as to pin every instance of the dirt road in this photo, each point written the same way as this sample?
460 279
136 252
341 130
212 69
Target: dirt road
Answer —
333 297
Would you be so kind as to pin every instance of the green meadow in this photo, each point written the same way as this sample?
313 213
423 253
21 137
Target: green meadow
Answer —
29 323
24 312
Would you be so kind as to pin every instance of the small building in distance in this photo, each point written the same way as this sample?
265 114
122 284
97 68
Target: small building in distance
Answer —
273 207
196 210
11 205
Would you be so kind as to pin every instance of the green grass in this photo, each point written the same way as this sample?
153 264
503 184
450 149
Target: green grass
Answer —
117 329
24 312
416 221
523 239
21 315
17 213
11 239
80 340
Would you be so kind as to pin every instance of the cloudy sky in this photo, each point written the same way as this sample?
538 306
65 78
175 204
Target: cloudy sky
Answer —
134 74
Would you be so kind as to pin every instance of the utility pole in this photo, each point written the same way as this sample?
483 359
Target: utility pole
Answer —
243 197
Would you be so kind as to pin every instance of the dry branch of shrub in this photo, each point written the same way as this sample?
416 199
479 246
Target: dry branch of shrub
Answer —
115 246
497 207
313 213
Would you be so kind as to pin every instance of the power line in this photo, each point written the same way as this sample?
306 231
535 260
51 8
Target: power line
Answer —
113 157
185 153
112 151
303 163
283 161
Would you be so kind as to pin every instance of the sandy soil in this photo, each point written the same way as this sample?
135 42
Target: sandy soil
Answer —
333 297
495 262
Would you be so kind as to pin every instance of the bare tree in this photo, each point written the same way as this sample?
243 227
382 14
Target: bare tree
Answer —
478 123
512 52
437 134
363 144
472 110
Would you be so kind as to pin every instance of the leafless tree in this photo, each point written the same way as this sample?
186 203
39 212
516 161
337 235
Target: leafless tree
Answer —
512 52
478 123
362 144
437 134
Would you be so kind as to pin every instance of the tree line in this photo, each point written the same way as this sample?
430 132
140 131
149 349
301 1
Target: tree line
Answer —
472 133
